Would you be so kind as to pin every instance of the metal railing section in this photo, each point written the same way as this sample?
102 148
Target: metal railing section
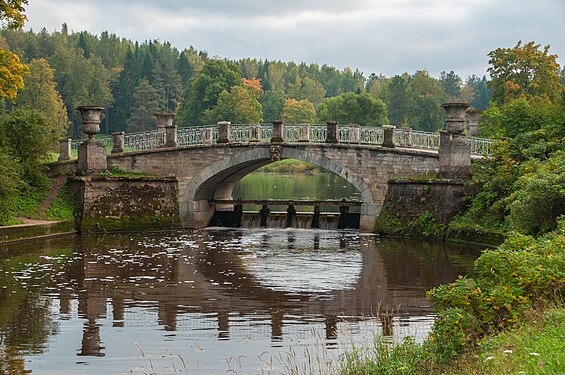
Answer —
418 139
192 135
141 141
368 135
317 133
479 146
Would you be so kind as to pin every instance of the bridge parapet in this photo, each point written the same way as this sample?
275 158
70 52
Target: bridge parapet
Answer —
347 134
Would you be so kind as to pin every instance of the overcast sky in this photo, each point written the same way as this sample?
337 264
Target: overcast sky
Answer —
374 36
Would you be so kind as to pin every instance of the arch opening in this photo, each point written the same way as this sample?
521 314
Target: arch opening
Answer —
217 182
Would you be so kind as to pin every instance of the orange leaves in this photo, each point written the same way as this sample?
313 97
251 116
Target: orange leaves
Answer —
11 74
254 86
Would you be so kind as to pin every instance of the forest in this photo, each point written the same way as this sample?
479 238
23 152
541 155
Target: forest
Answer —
134 80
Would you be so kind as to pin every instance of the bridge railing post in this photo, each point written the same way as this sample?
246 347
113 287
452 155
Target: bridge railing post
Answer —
65 149
388 136
454 154
277 135
163 120
118 141
255 133
206 136
303 133
224 132
354 133
332 131
171 136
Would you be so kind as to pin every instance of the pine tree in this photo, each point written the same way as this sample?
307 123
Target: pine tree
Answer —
145 105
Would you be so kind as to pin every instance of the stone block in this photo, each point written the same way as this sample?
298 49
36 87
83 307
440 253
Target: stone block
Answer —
92 156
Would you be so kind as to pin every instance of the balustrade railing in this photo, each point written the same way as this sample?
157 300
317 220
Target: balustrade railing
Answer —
141 141
195 135
343 134
291 133
423 140
371 135
192 135
479 146
317 133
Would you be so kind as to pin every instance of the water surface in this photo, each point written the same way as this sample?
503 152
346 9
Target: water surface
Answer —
214 300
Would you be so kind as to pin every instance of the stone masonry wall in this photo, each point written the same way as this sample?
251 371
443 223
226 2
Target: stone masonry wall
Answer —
125 203
420 207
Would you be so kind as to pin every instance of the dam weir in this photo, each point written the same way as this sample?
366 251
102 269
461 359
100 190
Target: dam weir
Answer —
230 213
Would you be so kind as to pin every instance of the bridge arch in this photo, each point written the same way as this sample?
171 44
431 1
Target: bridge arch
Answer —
217 181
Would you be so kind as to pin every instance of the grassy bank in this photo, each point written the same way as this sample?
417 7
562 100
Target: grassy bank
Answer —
289 166
491 323
47 202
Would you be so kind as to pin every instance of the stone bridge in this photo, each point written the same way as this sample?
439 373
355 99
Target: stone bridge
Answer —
208 161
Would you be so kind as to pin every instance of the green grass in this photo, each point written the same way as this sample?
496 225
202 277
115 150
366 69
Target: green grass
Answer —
289 166
63 206
507 319
537 346
28 203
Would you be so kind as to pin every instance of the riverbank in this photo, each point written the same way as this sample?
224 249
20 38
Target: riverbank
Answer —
31 229
507 319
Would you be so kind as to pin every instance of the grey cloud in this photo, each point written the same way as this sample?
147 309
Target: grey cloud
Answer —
380 36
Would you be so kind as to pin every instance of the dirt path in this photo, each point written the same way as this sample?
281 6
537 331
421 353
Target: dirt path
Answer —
28 221
58 183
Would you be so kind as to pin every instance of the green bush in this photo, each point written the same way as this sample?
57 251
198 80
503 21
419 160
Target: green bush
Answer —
9 181
63 206
522 273
539 196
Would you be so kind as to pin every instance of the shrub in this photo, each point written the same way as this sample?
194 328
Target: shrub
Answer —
522 273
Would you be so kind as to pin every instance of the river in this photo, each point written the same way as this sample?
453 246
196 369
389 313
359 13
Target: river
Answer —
249 300
217 300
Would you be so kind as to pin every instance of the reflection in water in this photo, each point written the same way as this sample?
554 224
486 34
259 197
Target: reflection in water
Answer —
211 295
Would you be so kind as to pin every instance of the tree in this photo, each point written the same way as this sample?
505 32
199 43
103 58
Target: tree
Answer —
239 106
11 69
298 111
272 103
350 108
28 140
524 71
80 81
377 85
145 104
11 74
254 86
275 72
41 95
516 117
451 83
427 97
400 100
12 13
216 76
481 93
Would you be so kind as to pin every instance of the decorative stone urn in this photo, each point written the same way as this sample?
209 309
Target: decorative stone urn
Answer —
473 118
90 120
91 153
164 119
455 116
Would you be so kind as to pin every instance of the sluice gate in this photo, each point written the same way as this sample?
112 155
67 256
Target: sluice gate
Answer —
230 213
